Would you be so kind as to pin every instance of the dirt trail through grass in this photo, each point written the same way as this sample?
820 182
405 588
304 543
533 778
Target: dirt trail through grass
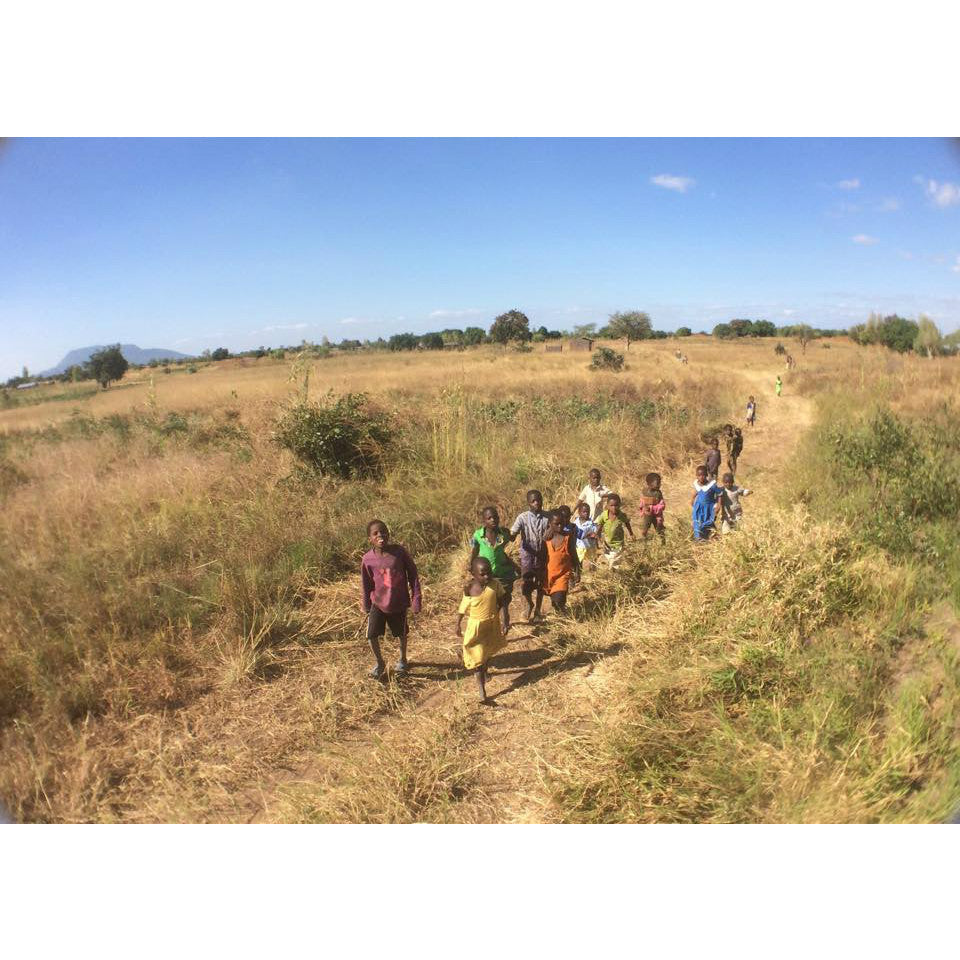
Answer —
425 750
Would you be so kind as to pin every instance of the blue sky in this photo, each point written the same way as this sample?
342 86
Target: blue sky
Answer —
190 244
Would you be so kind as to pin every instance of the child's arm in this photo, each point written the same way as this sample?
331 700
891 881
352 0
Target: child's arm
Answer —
366 586
572 550
474 553
413 579
459 621
626 523
515 530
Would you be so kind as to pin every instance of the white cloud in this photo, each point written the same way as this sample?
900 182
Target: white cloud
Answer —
851 184
942 193
956 267
864 239
670 182
453 314
888 205
284 326
352 320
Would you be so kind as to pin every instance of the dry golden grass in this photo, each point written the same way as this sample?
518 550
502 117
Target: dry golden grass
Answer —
180 636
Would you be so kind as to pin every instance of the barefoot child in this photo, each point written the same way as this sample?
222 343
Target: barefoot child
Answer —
730 508
563 567
751 411
587 537
482 598
531 527
703 505
736 448
610 526
389 587
712 459
651 502
593 494
490 542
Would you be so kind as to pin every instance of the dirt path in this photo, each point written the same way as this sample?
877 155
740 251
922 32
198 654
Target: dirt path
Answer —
432 753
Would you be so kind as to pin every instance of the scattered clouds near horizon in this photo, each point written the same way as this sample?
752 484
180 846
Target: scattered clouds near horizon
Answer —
864 239
282 326
940 193
852 184
454 314
353 320
670 182
956 267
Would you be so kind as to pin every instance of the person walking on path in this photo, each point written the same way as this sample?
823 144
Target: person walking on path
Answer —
778 385
482 599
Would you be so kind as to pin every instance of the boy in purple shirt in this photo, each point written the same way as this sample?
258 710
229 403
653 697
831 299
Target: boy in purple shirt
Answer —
388 578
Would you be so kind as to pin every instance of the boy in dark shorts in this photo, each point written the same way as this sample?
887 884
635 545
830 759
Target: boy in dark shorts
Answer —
389 586
531 527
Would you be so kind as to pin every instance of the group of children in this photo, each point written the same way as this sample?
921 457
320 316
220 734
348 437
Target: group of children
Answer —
555 548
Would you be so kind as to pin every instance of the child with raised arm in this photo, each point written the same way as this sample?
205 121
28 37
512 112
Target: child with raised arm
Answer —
610 529
652 505
730 508
389 586
482 599
563 567
587 537
531 527
593 494
490 542
703 505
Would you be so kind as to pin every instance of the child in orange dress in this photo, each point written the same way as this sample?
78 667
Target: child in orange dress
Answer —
563 565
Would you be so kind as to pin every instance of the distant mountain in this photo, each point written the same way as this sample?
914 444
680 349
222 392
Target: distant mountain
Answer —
131 351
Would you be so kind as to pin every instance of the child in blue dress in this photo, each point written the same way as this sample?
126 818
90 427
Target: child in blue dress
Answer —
703 504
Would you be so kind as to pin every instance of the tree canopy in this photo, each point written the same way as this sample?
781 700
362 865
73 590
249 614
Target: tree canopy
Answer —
628 325
512 325
107 365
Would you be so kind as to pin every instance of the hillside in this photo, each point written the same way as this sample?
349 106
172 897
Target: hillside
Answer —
133 353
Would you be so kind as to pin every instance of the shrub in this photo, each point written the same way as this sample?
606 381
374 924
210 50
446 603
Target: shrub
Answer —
338 437
684 332
779 349
606 359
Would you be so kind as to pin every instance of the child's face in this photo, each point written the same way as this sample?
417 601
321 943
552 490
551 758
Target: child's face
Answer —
655 483
583 511
702 474
613 506
491 519
728 479
379 535
594 478
556 525
481 571
565 514
535 501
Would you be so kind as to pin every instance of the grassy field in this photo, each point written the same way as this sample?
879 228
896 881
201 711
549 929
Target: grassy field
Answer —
180 634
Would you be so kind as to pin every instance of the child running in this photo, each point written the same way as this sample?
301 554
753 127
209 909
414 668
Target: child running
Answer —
489 542
652 505
703 504
730 508
563 567
593 494
713 459
482 600
610 526
587 537
531 527
736 448
751 411
778 385
390 586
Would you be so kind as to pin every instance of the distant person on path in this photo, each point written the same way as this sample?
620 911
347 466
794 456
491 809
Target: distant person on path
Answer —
736 448
713 458
482 600
531 527
652 505
730 508
610 526
563 567
703 505
751 411
594 493
490 542
587 537
778 386
389 586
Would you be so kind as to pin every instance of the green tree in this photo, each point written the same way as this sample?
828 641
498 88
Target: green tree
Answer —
629 325
741 328
221 353
684 332
107 365
764 328
403 341
588 330
804 333
432 341
474 335
928 339
512 325
724 331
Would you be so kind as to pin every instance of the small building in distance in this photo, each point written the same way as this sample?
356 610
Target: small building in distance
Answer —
553 348
580 343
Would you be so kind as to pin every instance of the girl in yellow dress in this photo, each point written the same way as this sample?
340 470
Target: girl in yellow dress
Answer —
482 599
